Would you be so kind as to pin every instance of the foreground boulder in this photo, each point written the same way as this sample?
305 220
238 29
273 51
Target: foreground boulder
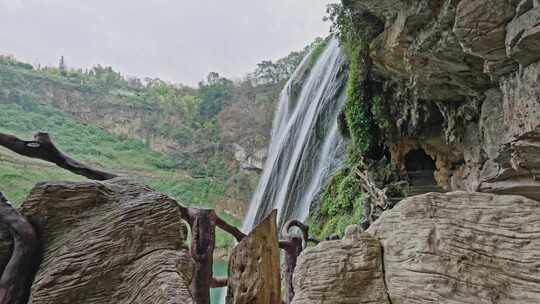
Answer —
107 242
462 248
436 248
335 272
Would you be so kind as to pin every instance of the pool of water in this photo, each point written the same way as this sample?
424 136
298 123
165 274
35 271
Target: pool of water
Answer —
220 270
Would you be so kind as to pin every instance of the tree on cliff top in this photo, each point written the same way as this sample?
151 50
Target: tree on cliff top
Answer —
62 66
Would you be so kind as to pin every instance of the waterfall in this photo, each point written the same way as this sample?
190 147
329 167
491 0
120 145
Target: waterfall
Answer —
306 146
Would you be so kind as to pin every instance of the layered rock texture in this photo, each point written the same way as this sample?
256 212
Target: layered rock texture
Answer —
107 242
457 247
460 80
347 271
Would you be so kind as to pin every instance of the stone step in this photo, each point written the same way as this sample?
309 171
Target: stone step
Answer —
424 189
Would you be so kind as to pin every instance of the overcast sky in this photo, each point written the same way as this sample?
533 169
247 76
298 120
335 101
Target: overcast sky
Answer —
176 40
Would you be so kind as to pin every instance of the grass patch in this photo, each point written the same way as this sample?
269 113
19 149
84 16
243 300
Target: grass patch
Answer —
94 146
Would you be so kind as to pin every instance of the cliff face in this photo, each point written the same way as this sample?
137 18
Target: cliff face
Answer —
456 93
461 80
125 112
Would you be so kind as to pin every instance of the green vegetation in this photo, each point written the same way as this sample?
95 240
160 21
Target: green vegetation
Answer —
188 126
354 29
361 118
213 94
97 147
358 114
86 143
341 205
268 72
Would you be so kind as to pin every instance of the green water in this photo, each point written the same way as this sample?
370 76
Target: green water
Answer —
220 270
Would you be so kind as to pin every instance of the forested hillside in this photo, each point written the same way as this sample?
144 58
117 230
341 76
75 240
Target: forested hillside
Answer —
203 146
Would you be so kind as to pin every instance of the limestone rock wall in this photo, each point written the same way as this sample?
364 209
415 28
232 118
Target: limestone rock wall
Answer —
461 80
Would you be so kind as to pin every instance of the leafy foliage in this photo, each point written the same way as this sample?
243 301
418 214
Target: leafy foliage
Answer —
358 113
341 205
341 20
22 116
213 94
190 117
268 72
360 120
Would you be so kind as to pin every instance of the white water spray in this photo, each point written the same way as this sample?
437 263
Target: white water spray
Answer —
306 146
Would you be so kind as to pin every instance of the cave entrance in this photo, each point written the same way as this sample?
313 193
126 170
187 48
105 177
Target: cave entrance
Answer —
417 160
420 168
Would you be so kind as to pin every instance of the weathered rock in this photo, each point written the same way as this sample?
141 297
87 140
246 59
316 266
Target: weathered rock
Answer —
516 169
510 136
254 273
453 87
461 248
420 48
523 37
521 100
343 271
456 247
108 242
480 27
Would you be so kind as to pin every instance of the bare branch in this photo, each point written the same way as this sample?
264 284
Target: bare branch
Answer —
18 275
43 148
238 235
369 187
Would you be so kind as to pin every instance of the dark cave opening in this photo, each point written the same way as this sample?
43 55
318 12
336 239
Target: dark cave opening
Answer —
418 160
420 168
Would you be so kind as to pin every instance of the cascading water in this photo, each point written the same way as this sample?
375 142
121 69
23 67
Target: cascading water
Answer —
306 146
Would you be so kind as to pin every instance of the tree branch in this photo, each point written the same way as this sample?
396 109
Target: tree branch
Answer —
202 222
43 148
18 275
238 235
